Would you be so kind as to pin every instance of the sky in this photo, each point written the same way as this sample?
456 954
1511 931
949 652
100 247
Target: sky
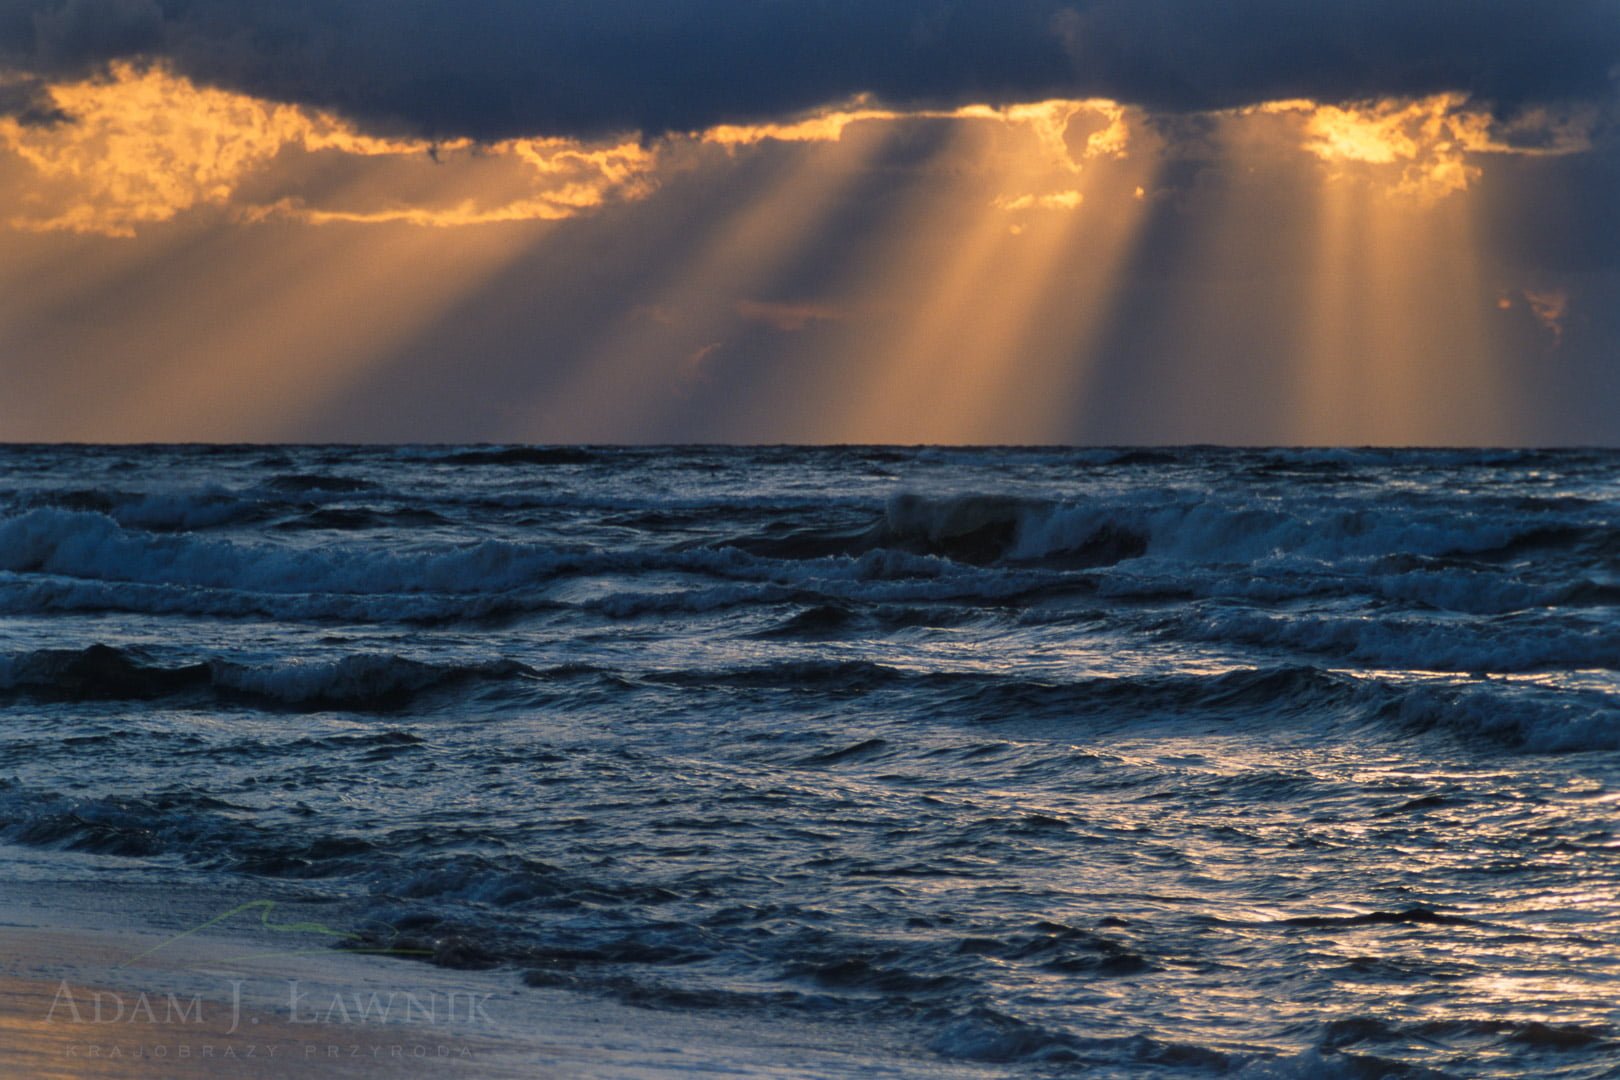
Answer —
1258 222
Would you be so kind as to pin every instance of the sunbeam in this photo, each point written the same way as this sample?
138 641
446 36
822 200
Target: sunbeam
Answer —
955 273
994 276
660 348
1395 348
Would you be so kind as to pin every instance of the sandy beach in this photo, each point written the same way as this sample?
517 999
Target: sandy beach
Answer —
114 983
78 1000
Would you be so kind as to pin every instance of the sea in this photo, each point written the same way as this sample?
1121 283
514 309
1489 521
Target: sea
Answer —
1108 762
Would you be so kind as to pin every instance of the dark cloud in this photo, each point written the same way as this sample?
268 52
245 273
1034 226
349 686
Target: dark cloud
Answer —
506 67
27 100
1196 54
76 33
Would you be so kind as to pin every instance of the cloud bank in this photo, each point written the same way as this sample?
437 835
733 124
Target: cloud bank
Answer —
505 68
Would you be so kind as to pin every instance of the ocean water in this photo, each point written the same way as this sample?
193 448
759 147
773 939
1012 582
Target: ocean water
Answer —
1174 763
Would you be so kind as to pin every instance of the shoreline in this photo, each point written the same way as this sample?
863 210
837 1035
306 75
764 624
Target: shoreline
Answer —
179 1036
133 1001
177 999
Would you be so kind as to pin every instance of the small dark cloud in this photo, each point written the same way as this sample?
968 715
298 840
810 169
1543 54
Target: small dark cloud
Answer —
28 101
500 68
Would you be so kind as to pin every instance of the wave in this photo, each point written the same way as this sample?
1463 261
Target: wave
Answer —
201 829
1157 544
53 559
808 674
523 455
983 529
302 483
1470 1036
1523 716
357 682
1239 695
1170 538
1535 718
93 546
32 594
163 510
125 826
305 504
978 530
1405 917
834 619
355 518
1531 641
1191 528
993 1037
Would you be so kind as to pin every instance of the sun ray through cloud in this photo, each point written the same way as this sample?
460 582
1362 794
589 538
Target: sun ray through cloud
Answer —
976 268
1396 348
908 538
661 347
972 308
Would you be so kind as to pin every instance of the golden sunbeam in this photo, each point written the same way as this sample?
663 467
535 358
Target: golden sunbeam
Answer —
981 270
1075 288
973 312
662 347
993 361
55 278
938 264
1326 397
1479 399
1394 347
61 365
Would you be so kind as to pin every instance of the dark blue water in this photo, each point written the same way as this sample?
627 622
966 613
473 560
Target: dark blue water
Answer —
1181 763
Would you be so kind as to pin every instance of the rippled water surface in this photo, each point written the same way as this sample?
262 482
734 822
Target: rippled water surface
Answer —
1181 763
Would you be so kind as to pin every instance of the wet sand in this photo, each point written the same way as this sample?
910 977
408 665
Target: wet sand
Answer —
122 984
77 1004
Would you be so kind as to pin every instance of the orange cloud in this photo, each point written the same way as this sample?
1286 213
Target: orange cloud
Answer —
1057 200
1421 137
1050 121
141 147
695 367
1550 307
823 126
144 146
1430 144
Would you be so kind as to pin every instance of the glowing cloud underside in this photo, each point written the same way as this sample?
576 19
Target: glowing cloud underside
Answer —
1431 147
143 146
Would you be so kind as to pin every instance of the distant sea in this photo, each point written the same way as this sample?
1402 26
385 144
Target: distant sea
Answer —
1114 762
